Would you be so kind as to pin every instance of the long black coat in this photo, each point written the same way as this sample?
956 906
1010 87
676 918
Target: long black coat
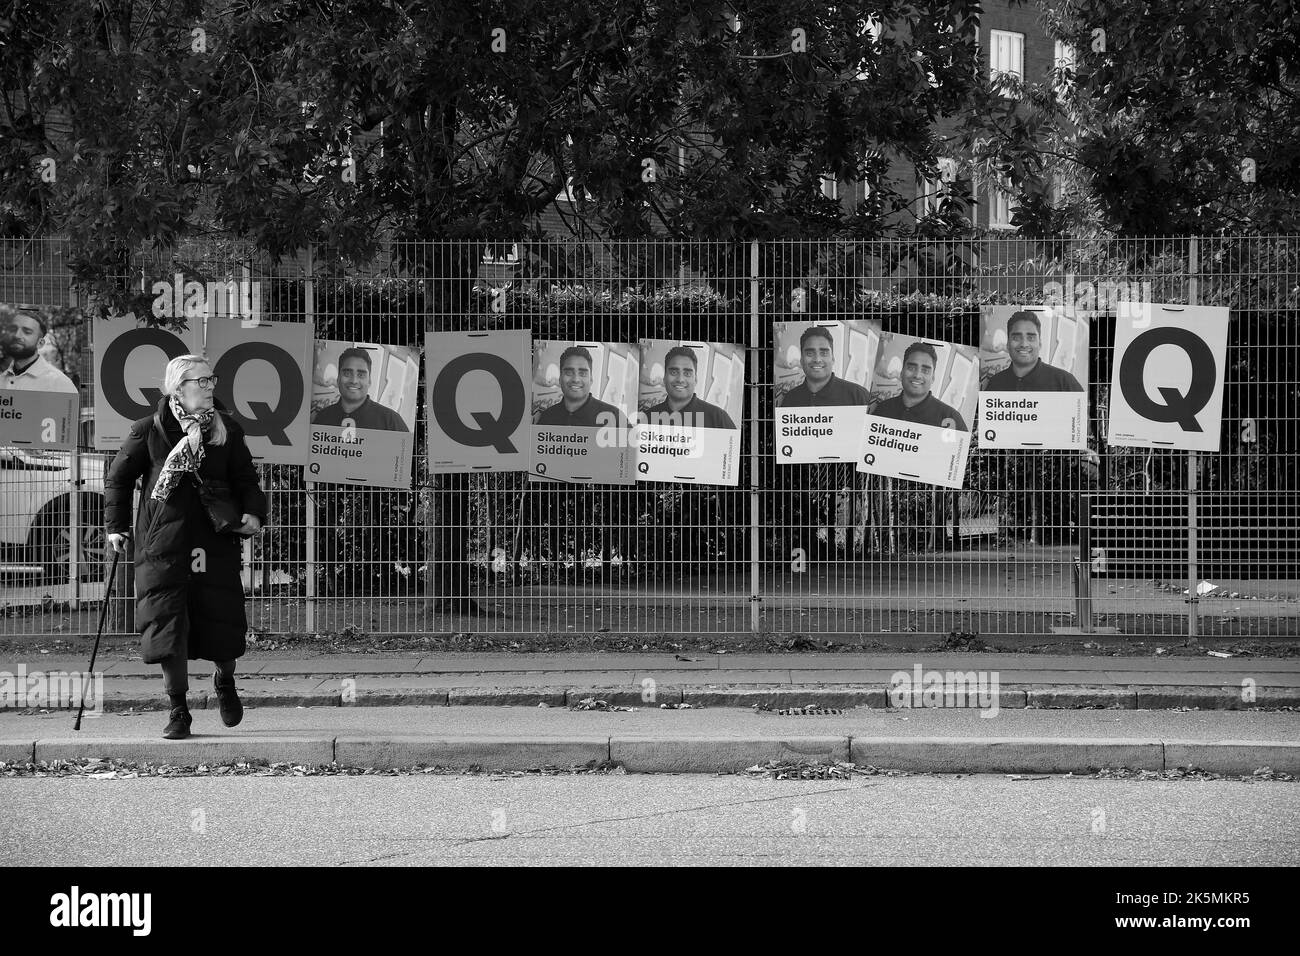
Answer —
202 611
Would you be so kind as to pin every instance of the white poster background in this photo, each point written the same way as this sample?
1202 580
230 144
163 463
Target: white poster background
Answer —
39 419
826 433
585 455
692 455
1033 420
268 391
1167 380
366 457
925 453
478 390
130 358
1020 419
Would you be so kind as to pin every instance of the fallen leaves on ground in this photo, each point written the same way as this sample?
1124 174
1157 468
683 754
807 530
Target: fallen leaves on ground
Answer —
100 769
592 703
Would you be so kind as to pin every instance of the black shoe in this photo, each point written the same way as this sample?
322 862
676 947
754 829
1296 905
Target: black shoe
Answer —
178 727
232 711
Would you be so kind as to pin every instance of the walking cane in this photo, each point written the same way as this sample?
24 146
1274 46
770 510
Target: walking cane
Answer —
103 613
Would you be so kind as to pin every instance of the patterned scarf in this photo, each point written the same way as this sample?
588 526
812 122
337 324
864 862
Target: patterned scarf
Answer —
188 454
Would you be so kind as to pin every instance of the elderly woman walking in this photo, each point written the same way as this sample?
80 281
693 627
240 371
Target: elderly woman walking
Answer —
200 493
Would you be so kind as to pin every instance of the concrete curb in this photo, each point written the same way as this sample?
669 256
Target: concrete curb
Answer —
492 753
663 754
1079 698
842 698
1007 755
719 754
1226 756
191 751
1059 696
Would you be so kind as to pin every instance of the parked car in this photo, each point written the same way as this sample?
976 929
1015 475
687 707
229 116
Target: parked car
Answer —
35 504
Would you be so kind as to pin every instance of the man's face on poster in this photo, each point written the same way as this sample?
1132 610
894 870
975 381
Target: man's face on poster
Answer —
817 359
679 378
918 374
354 380
1023 342
22 335
575 378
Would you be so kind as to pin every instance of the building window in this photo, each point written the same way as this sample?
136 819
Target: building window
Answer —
1006 57
1064 64
1065 58
929 194
830 186
1002 205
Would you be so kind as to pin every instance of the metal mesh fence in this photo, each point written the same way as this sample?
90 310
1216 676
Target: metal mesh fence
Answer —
1144 542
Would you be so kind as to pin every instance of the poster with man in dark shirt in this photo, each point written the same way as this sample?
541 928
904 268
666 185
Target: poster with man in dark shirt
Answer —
691 395
925 394
822 379
582 396
363 413
1034 366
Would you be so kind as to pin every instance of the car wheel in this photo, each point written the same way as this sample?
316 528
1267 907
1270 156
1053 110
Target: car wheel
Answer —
51 541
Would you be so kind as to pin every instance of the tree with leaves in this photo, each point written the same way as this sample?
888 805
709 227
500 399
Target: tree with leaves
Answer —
1177 117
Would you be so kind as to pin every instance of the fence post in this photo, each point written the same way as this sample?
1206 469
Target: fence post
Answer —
75 516
755 587
309 487
1083 564
1193 468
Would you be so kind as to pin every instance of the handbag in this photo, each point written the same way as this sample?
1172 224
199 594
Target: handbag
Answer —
219 503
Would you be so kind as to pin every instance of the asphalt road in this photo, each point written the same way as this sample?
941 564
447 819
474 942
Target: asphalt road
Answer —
640 820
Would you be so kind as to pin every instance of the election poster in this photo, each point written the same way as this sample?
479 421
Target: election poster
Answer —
822 382
924 395
478 387
1034 378
583 406
689 411
262 374
130 358
1166 386
39 405
363 413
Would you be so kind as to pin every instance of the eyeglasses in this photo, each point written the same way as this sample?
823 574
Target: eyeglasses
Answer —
207 381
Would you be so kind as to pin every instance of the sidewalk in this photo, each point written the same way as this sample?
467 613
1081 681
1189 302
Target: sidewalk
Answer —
703 681
676 741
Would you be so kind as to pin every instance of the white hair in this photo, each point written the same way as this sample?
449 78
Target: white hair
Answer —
172 377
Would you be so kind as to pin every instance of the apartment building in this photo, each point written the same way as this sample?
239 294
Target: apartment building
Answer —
1012 41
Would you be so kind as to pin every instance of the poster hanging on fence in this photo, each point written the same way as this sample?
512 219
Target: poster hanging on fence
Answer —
1034 373
363 413
925 394
478 388
130 358
1167 379
822 381
689 411
39 404
583 405
262 374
